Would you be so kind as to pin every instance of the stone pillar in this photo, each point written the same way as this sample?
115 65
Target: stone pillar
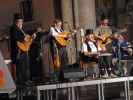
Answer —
43 12
67 14
87 16
76 14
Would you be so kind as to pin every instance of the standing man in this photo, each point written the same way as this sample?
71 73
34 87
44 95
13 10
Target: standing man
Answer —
104 39
103 33
20 57
59 52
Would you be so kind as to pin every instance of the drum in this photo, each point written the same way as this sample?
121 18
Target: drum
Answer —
105 60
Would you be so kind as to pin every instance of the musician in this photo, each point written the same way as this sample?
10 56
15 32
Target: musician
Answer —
121 50
19 58
90 43
59 52
103 32
104 27
35 54
121 44
56 28
89 49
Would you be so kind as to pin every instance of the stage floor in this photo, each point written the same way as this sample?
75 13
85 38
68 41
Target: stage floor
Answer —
112 91
89 97
92 89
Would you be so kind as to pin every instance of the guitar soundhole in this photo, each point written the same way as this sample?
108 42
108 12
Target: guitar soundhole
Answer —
66 38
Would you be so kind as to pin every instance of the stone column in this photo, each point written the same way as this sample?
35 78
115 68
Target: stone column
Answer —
67 14
87 16
43 12
76 14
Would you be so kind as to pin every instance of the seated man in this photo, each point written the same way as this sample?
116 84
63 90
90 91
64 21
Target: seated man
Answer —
89 49
90 53
121 51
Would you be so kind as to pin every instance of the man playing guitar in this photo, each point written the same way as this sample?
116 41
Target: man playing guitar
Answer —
58 50
19 57
103 33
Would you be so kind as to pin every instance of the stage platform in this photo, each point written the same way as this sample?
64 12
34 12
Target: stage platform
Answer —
47 92
51 90
120 88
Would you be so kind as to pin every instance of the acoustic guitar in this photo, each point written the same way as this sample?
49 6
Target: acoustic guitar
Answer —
104 40
62 41
25 45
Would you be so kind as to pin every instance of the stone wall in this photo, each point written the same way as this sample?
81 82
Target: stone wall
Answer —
7 8
43 12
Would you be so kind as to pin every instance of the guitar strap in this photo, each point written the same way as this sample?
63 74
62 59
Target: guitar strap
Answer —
56 57
88 46
57 30
19 51
23 32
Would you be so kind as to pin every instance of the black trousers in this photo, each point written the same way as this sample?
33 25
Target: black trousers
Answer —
63 56
22 69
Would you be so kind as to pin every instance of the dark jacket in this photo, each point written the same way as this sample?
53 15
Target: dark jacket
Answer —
15 35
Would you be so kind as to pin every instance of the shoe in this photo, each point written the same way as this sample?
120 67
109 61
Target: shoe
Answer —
88 78
104 76
113 75
28 83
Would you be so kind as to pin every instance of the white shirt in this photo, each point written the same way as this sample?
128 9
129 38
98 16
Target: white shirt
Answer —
55 31
92 47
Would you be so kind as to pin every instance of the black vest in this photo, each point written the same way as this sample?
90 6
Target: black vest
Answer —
88 46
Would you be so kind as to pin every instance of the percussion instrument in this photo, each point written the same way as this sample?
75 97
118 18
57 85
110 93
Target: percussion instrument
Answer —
105 59
105 54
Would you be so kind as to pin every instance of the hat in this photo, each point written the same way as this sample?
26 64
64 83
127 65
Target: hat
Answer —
103 16
17 16
88 31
